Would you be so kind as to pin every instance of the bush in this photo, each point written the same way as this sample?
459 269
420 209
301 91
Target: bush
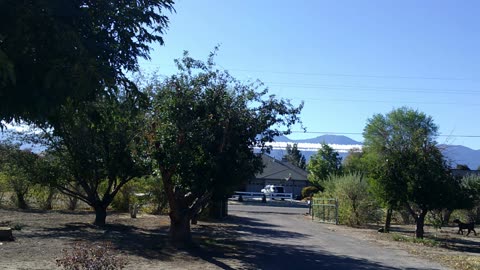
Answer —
153 199
85 256
356 205
44 196
154 186
308 192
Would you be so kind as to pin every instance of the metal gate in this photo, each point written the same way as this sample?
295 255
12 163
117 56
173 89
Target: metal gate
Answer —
325 210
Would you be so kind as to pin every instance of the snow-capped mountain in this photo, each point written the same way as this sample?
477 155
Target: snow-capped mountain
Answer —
455 154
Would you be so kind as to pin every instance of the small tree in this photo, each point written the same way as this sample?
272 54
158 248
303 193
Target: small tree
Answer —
356 205
93 150
354 162
204 127
407 167
17 167
295 157
324 163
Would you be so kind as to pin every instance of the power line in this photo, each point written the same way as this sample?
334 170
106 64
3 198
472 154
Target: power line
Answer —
359 133
382 101
374 88
355 75
335 74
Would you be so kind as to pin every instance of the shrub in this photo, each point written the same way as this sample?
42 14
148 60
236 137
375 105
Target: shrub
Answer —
44 196
83 256
308 192
356 205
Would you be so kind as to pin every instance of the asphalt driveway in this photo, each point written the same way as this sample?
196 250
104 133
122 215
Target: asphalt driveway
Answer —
275 237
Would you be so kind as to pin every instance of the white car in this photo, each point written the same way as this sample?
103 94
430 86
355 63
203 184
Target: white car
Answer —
269 189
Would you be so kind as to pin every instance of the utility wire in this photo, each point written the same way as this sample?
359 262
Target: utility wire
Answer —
442 78
374 88
359 133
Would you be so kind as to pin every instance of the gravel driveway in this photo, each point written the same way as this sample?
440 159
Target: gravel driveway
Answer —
284 238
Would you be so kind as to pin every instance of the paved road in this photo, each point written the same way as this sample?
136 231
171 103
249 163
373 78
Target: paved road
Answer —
284 238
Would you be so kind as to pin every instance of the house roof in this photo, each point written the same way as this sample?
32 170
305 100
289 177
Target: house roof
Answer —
276 169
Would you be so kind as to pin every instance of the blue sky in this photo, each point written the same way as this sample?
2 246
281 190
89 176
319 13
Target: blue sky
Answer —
346 59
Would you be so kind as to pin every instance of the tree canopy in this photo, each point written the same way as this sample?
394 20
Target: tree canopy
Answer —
407 167
53 51
295 157
94 148
323 164
203 130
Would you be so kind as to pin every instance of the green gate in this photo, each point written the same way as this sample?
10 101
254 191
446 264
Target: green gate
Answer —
325 210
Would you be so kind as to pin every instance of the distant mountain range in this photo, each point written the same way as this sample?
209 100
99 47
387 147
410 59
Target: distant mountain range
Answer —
455 154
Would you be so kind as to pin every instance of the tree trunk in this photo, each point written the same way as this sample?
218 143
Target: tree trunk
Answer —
48 204
420 222
388 220
217 209
21 202
100 215
72 203
446 217
180 235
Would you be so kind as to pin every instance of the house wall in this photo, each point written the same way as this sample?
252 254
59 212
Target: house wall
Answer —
292 186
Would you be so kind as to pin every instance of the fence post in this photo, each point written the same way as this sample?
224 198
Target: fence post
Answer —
311 207
336 211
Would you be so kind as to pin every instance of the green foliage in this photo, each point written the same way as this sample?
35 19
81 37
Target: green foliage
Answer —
204 125
44 196
157 197
83 256
94 150
4 189
355 162
142 192
436 219
426 242
462 167
356 204
309 191
295 157
18 170
53 51
406 166
324 163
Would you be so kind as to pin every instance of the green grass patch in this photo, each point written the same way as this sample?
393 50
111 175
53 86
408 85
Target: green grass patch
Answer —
425 241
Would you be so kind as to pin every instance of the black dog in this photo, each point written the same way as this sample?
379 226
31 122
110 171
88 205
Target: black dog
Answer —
465 226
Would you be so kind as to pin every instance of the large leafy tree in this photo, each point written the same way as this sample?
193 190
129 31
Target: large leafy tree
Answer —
407 167
93 150
203 131
53 51
322 164
295 157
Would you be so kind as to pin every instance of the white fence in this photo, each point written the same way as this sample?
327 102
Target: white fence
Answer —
246 195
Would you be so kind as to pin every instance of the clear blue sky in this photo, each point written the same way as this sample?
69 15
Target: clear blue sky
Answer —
346 59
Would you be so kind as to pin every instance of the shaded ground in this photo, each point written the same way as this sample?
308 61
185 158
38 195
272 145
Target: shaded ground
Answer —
274 238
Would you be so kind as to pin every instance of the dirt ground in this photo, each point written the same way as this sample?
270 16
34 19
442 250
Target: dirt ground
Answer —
143 241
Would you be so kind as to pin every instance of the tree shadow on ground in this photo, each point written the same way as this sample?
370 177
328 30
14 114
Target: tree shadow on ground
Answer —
264 255
451 243
234 227
462 244
147 243
222 246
